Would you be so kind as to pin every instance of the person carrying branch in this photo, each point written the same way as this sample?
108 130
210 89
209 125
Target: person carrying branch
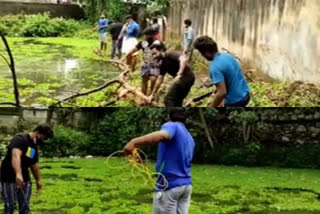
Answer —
176 65
175 153
22 155
128 36
226 73
150 70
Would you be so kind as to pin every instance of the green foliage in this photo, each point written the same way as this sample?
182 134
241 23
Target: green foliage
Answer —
118 128
4 142
89 186
44 26
113 9
39 25
67 142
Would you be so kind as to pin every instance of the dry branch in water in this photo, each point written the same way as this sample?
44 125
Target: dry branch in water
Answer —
122 79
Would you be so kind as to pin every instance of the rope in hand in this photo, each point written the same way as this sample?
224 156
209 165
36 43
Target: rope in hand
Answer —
26 201
139 163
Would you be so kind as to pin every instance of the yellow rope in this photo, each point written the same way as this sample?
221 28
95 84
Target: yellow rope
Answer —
138 163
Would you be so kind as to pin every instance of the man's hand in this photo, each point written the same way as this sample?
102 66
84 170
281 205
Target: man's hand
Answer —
19 180
128 149
150 99
178 77
39 186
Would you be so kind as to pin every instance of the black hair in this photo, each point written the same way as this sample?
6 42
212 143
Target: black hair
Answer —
159 46
155 21
149 31
44 130
177 115
188 22
205 43
129 17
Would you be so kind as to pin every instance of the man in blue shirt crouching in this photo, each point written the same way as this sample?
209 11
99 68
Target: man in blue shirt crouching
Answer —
226 73
175 154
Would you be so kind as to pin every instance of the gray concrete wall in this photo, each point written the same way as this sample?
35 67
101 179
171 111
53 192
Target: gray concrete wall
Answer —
56 10
282 37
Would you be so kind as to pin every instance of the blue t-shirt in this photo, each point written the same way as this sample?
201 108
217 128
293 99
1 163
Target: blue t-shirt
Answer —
103 22
225 68
175 156
133 30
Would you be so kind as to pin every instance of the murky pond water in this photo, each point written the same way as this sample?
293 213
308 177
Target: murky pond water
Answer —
61 72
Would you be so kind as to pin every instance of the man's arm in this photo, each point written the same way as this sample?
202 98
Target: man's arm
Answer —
157 85
16 164
220 94
183 64
36 174
150 139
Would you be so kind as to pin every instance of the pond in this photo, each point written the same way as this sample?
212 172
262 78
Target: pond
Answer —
53 70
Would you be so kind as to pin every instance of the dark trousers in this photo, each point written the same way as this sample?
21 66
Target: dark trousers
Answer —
179 90
116 47
243 103
11 195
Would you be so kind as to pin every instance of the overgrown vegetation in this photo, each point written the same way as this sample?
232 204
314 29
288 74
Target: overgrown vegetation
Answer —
80 45
78 186
40 25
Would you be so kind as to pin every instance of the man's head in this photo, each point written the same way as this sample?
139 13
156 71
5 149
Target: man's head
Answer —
129 19
42 133
158 50
207 47
155 21
187 23
102 16
149 34
177 115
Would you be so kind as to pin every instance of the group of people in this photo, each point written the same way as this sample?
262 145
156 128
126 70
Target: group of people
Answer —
173 139
232 89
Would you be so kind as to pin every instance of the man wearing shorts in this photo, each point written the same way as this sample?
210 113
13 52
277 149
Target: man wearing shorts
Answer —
175 153
188 39
129 33
102 26
176 65
150 70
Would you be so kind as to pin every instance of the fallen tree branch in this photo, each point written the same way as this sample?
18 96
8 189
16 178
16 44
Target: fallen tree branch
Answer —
86 93
229 52
8 104
121 80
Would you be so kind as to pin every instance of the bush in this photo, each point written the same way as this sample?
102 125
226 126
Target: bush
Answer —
4 142
44 26
67 142
39 25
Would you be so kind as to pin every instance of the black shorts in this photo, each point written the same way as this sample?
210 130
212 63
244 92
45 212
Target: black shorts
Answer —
179 90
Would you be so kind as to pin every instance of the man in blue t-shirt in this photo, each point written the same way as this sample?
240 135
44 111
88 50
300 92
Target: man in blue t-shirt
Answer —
130 33
226 74
175 154
102 27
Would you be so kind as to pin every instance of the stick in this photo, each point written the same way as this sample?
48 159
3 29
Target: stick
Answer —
13 71
86 93
198 99
8 104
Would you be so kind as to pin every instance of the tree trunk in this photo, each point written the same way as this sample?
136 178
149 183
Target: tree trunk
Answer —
13 71
204 123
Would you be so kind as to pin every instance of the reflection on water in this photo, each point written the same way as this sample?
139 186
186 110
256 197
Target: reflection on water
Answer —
79 72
